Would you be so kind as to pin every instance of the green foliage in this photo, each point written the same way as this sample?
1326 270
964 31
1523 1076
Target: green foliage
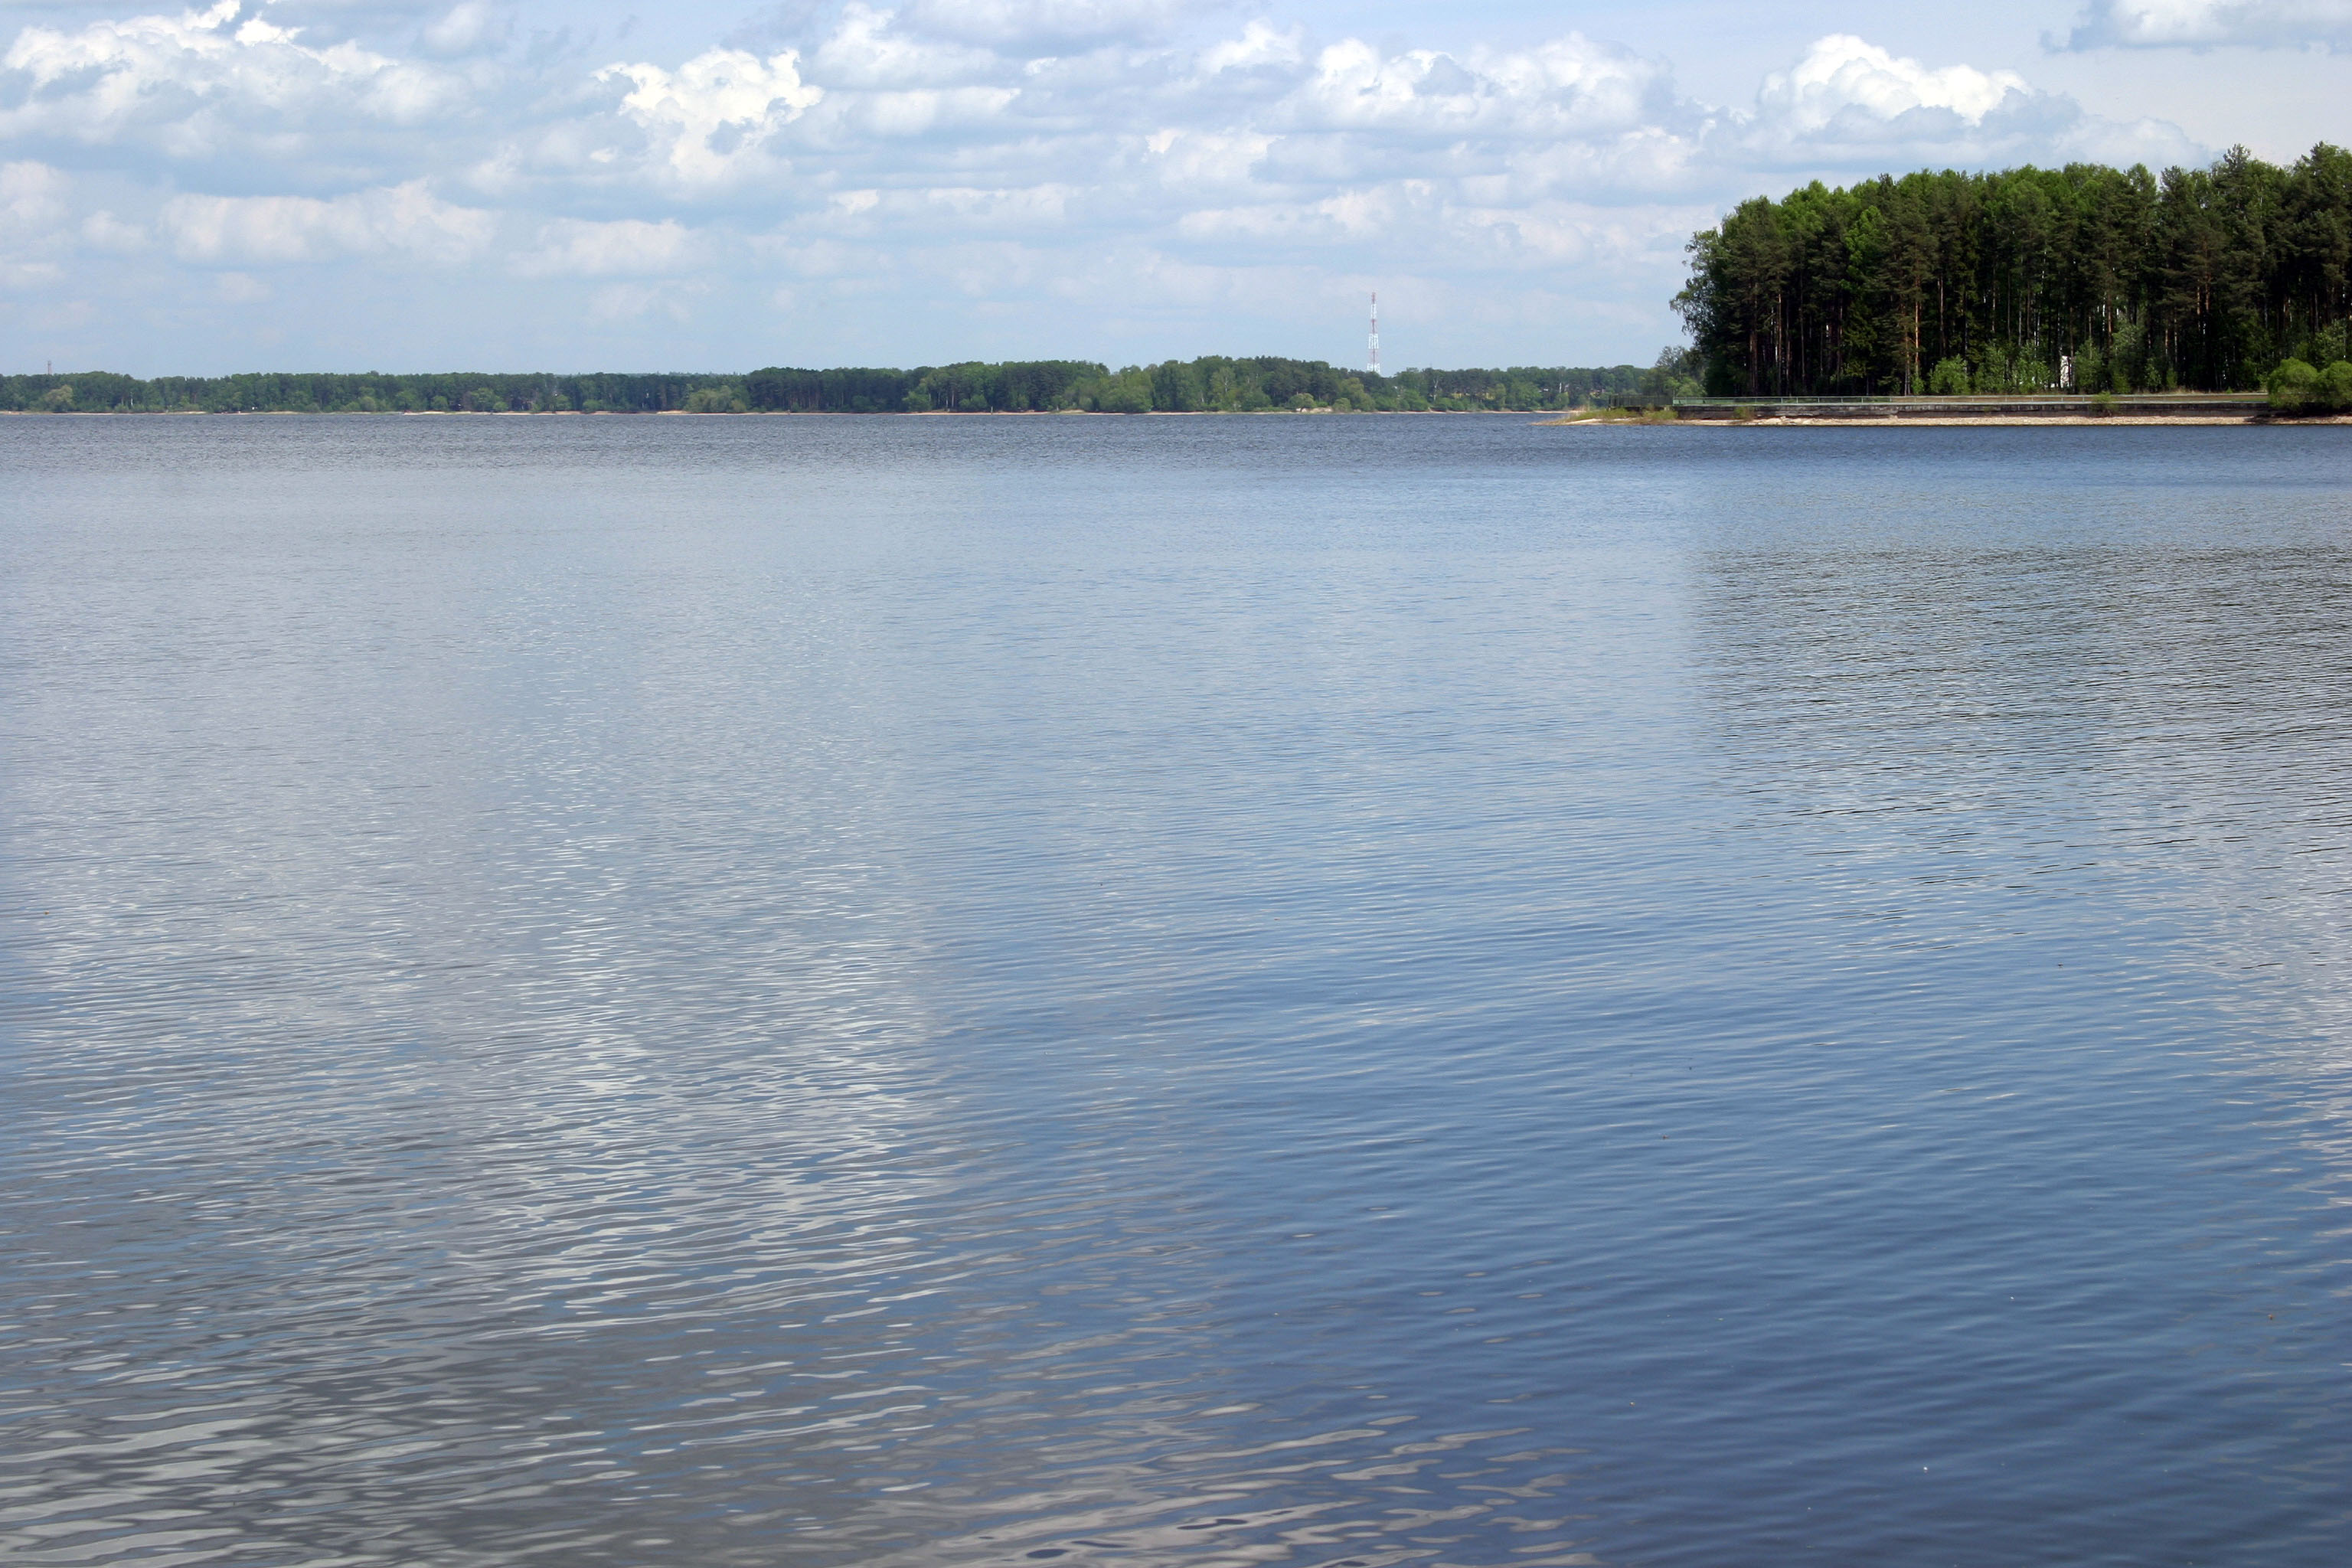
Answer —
1214 384
2298 387
1128 391
1677 373
2335 387
2294 387
853 390
2198 278
1949 378
355 393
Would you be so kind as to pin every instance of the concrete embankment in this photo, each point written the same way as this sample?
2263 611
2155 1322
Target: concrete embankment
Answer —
2204 408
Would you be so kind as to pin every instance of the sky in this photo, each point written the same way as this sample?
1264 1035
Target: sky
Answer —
521 185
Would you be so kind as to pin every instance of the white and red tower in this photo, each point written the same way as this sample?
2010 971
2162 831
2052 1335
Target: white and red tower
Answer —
1373 362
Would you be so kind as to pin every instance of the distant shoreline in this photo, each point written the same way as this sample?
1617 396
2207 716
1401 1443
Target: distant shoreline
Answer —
1212 383
1949 420
1573 417
1946 422
1952 421
762 414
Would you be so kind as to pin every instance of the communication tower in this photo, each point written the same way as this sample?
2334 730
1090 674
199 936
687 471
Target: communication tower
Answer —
1373 362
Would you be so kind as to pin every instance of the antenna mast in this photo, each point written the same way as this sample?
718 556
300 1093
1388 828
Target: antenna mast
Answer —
1374 367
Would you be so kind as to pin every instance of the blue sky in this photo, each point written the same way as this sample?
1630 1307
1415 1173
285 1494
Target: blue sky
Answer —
510 185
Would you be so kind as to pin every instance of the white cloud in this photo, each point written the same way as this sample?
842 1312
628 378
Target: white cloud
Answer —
629 301
35 208
624 246
1569 87
1207 160
2203 24
1111 158
1033 209
898 116
406 220
28 275
32 197
200 83
1260 47
472 27
102 230
1849 104
1050 26
713 113
1844 79
870 50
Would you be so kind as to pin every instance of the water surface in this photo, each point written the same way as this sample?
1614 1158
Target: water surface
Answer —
1275 991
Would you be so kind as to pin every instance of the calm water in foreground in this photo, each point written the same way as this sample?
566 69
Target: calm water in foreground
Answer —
1264 990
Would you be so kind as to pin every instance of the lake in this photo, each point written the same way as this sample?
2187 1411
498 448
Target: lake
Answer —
1318 991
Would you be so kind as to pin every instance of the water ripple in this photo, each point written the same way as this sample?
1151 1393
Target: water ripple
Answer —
1336 993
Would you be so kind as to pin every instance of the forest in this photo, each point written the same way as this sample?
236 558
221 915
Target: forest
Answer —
2095 278
1211 383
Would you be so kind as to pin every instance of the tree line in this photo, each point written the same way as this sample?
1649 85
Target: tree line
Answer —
2100 278
1211 383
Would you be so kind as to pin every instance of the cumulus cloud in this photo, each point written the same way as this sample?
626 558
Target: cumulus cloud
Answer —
16 274
405 220
1844 80
200 83
1049 156
1568 88
2204 23
1045 26
1848 100
471 27
102 230
1260 47
1206 163
32 197
629 301
875 50
33 211
715 112
623 247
